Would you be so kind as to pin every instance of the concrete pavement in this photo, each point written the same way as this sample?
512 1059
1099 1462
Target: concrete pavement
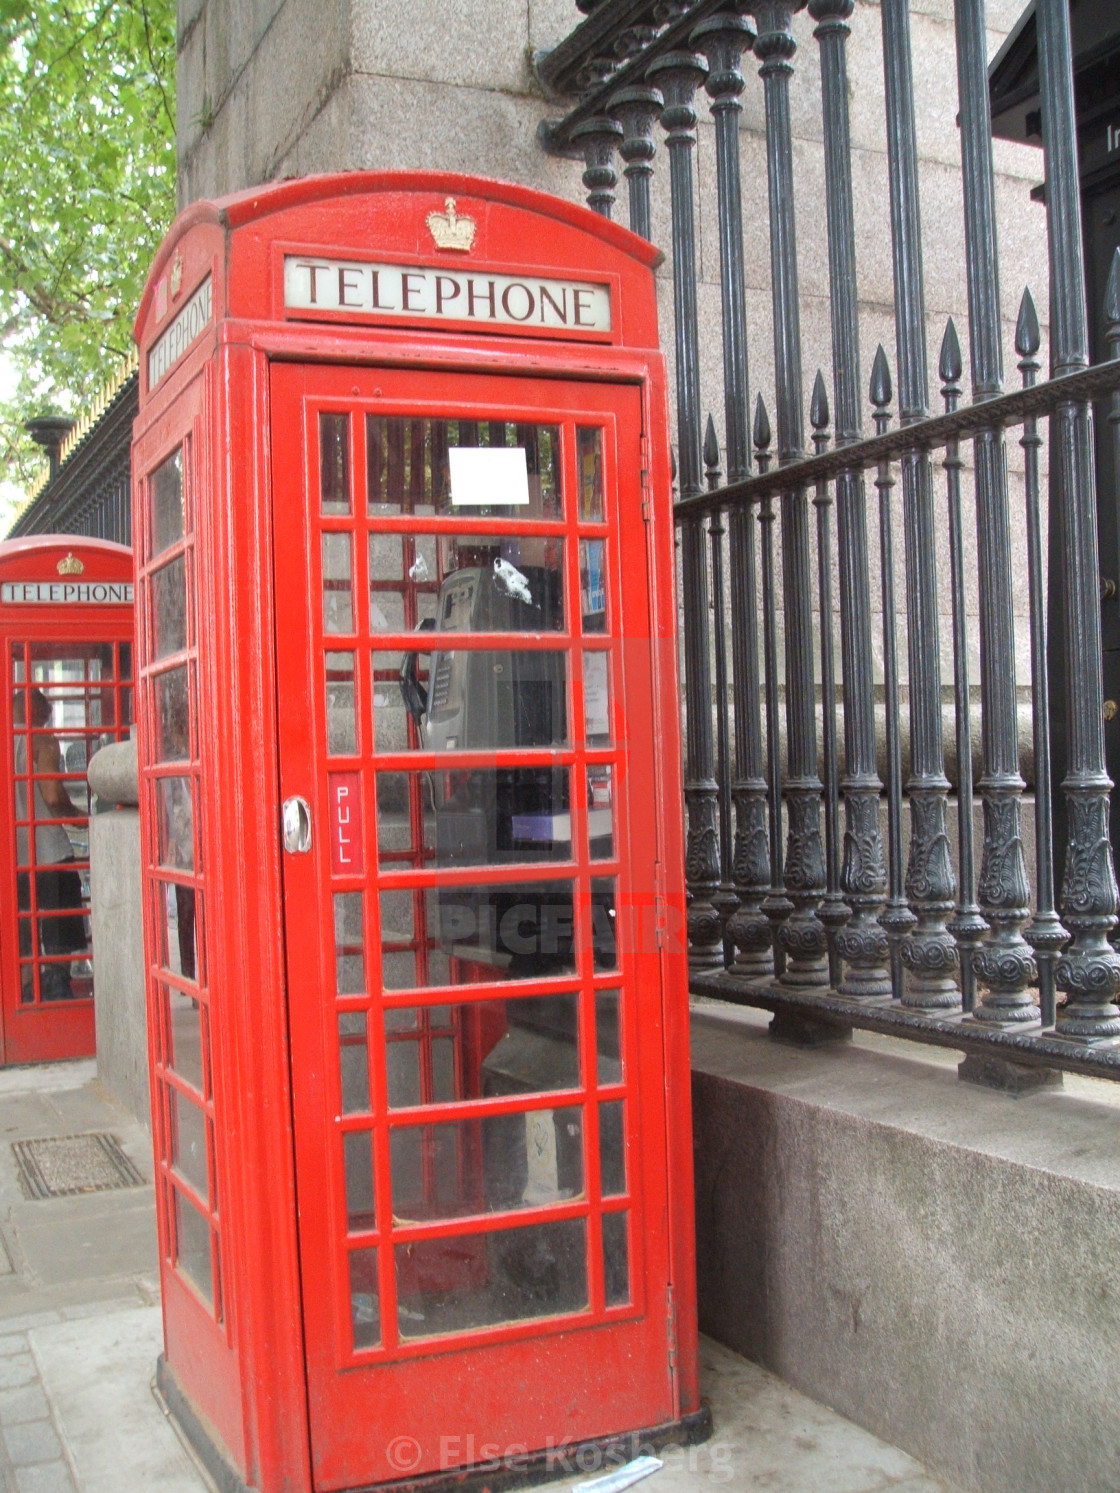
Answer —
80 1330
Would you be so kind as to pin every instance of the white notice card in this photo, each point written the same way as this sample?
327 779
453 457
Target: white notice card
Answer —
488 476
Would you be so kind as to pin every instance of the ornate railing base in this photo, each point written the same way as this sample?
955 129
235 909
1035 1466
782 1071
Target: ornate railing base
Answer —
1031 1049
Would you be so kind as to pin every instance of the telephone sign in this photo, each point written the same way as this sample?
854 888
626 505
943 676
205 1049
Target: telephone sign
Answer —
408 732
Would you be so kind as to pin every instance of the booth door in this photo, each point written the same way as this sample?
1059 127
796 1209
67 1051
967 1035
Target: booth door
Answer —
66 699
470 823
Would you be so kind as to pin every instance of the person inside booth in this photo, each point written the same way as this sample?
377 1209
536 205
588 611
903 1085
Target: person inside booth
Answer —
58 887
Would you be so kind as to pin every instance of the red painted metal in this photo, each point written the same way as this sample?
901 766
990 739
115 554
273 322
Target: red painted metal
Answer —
66 657
300 1303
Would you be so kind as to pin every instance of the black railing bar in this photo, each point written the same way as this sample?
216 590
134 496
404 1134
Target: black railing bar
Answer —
1008 409
554 135
1040 1049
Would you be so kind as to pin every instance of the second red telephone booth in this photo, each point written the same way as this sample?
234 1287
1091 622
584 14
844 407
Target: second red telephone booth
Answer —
66 639
410 802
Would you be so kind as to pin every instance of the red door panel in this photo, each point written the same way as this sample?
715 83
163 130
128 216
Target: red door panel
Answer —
467 761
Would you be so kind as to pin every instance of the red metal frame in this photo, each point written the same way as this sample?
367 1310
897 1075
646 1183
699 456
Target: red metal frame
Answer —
33 1026
240 1358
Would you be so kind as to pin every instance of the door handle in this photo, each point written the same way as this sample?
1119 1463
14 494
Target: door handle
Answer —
297 825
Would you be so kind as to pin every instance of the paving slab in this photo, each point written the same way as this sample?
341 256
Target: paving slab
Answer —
98 1373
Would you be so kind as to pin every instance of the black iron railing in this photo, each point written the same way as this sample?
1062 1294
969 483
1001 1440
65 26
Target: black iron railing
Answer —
824 885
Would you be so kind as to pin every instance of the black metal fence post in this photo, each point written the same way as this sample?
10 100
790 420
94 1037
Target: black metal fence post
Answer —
598 138
1044 932
637 110
723 39
834 911
1089 968
776 905
862 942
968 927
802 935
896 918
678 74
929 952
1003 961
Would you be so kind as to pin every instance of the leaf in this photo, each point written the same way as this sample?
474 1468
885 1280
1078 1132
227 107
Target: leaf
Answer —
87 191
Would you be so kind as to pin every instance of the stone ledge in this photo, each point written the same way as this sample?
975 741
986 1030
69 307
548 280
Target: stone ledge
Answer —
927 1257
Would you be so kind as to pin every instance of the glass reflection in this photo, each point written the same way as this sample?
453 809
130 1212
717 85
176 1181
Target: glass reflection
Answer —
408 466
482 1280
168 513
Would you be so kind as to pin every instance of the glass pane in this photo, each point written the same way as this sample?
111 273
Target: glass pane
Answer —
593 584
173 709
338 606
467 583
589 458
520 930
402 1066
192 1245
175 817
169 607
168 513
596 699
604 922
334 463
399 700
188 1142
349 944
616 1261
408 466
365 1303
184 1036
473 817
612 1151
481 1280
342 737
600 811
470 699
608 1060
352 1062
486 1049
493 1165
179 942
357 1156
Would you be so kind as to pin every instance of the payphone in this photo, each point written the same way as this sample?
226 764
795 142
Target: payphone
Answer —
406 664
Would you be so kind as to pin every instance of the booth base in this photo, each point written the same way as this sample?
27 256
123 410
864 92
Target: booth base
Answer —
599 1454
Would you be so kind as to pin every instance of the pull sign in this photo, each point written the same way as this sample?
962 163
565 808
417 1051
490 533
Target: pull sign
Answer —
344 791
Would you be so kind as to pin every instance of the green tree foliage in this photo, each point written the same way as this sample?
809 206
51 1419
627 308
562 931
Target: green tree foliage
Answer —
87 191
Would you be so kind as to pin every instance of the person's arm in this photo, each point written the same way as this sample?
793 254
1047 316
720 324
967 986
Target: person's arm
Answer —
48 759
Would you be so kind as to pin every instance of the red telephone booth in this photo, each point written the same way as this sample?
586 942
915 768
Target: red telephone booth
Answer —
410 803
66 635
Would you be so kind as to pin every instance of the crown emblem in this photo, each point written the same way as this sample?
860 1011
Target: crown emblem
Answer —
176 275
71 565
451 231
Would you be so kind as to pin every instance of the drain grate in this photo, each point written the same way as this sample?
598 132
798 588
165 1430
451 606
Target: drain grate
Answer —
61 1166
